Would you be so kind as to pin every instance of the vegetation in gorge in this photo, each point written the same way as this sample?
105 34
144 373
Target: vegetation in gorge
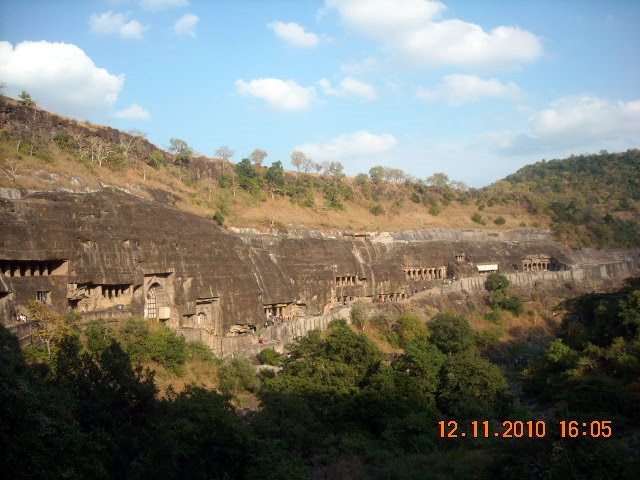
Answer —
339 408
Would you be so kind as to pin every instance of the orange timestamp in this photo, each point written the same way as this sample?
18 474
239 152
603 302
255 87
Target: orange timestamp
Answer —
524 429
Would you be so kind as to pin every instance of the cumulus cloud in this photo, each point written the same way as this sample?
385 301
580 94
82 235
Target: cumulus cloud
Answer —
412 31
60 76
459 89
350 145
350 86
582 122
133 112
294 34
186 25
111 23
156 5
285 95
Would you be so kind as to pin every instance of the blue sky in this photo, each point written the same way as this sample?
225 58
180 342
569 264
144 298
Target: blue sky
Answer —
472 89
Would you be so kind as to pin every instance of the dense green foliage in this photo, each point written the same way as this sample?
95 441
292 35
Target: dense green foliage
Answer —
499 298
451 333
338 409
593 200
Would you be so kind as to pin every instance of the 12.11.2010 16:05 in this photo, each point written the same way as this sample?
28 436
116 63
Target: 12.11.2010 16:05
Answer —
523 429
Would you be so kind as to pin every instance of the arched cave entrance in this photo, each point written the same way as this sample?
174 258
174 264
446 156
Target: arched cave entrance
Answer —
154 301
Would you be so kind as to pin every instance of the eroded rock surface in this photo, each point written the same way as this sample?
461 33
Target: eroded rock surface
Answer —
111 254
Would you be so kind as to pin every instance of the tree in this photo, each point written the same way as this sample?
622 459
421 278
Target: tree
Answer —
438 179
451 333
394 175
298 159
495 282
180 150
224 153
358 317
410 328
423 361
25 98
51 326
376 174
129 141
274 177
472 387
248 177
333 169
258 156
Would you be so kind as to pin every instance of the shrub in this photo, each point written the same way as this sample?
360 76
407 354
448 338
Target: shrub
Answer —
156 159
477 218
500 221
513 304
236 375
269 356
218 217
493 316
99 337
135 333
358 317
63 140
434 209
496 282
200 352
168 349
376 209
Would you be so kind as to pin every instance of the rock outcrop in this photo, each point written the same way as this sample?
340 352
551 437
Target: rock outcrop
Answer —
110 254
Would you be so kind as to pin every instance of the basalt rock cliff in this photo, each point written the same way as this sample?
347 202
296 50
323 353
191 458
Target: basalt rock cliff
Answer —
111 254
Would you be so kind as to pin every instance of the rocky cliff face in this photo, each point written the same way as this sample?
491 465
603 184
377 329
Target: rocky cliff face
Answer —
111 254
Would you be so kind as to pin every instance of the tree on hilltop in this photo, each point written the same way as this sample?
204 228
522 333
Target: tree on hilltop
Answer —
180 150
224 153
298 159
25 98
438 179
258 156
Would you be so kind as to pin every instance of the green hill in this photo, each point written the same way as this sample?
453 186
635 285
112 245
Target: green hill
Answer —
591 200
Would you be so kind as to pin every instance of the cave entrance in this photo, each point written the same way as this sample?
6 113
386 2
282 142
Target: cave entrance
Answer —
152 304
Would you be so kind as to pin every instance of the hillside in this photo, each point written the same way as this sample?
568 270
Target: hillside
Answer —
591 200
587 201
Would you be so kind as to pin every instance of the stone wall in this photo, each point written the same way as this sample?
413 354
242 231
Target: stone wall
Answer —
276 336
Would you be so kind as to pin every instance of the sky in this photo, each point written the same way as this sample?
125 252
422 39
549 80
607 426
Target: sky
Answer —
472 89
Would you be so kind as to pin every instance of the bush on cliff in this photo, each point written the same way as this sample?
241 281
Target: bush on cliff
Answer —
168 349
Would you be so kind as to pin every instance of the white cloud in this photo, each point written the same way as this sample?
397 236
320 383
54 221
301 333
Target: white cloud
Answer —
294 34
586 116
350 86
583 123
386 17
111 23
411 30
133 112
60 76
156 5
186 25
350 145
280 94
459 89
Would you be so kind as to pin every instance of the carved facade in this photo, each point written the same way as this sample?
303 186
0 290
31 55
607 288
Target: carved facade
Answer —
185 271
